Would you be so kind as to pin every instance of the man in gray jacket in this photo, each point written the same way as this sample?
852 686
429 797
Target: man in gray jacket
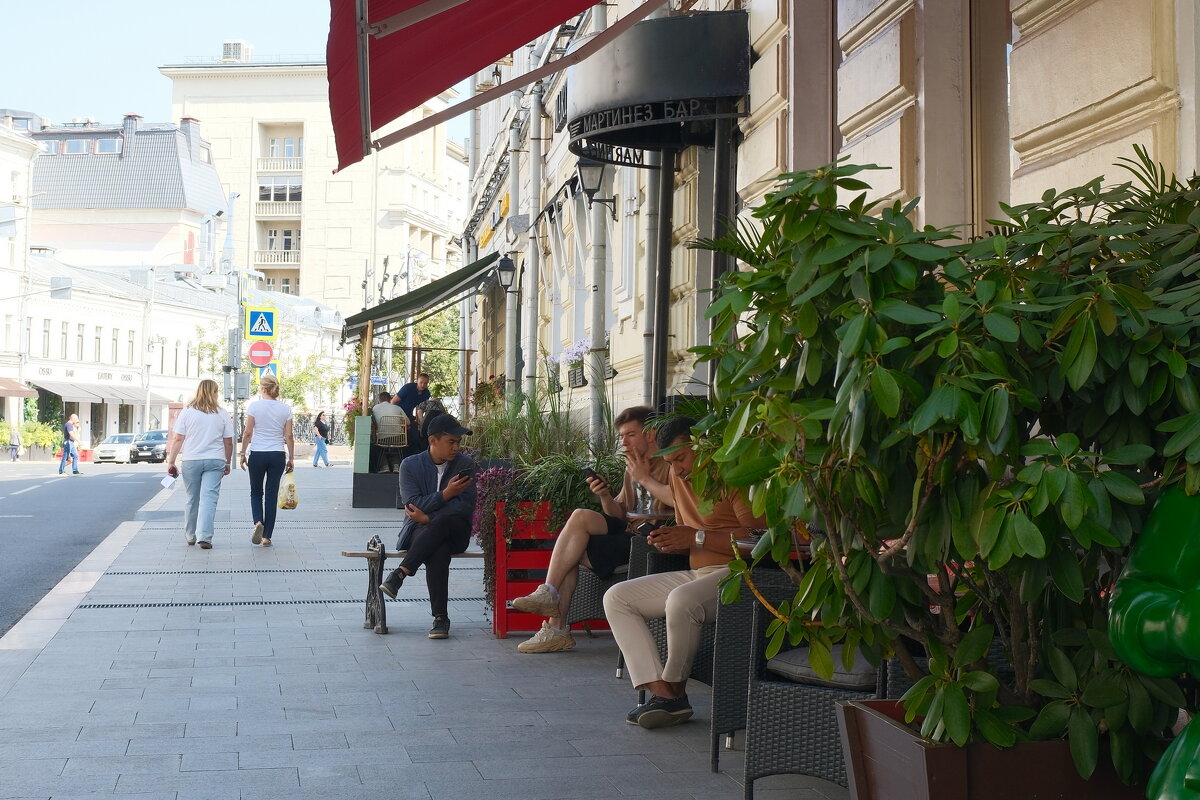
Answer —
437 493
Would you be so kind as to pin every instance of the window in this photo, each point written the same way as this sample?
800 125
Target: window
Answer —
132 350
49 146
285 285
79 343
114 345
175 371
21 123
286 147
286 239
279 189
270 284
108 145
27 343
45 338
205 154
62 344
76 146
96 353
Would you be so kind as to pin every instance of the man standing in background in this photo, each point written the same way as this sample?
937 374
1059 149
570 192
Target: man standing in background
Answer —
407 398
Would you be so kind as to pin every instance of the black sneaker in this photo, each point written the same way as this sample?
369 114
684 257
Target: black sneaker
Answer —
440 629
662 712
393 583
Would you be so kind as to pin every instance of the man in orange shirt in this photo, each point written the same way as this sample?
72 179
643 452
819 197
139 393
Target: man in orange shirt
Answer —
686 598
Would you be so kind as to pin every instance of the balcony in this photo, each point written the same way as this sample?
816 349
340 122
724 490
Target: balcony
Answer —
270 209
277 257
281 164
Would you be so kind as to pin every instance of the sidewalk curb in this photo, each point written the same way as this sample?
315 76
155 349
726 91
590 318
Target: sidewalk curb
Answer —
39 625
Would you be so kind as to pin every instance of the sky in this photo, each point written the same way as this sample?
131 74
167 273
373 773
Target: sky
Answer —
100 59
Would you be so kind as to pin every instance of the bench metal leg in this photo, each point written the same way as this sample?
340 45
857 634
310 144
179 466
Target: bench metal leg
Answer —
376 610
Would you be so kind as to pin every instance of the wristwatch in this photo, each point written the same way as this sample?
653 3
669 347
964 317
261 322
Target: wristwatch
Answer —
700 540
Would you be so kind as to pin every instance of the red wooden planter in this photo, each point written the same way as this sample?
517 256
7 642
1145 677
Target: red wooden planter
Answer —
521 566
887 760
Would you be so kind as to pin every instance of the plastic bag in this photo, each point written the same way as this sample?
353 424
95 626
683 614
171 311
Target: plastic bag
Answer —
288 497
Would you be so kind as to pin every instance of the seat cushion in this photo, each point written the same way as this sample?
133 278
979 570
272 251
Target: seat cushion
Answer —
793 666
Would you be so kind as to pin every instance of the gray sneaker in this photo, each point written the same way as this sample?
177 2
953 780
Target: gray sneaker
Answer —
661 712
547 640
440 629
541 602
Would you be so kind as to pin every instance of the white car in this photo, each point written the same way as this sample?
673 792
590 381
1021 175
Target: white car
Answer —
115 449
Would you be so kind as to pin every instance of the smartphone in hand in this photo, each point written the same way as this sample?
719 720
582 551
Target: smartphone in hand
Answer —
588 472
466 473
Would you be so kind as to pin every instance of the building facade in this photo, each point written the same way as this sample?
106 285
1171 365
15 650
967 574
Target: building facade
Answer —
302 227
967 103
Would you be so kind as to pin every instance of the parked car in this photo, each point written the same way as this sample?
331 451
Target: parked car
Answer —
115 448
149 446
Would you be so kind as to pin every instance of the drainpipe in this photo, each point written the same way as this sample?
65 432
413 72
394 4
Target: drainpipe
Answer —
662 277
595 372
651 219
511 383
534 258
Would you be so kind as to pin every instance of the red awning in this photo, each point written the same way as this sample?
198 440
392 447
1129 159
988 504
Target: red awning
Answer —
408 65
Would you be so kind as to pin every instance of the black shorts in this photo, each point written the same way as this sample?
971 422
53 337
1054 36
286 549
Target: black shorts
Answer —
607 551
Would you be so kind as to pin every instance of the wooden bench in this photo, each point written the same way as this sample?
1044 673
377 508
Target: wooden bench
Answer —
376 554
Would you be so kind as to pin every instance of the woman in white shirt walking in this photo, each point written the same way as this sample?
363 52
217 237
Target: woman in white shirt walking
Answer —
203 438
267 452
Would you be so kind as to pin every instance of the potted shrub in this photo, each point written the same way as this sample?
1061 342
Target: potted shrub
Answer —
976 431
533 453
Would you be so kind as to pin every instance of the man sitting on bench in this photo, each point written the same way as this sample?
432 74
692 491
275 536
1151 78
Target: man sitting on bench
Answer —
437 493
599 541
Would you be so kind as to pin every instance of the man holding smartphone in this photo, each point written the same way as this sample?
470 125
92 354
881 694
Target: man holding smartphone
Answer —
598 540
437 493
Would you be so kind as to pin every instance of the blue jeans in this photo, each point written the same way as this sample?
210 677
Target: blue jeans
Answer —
70 451
202 482
322 453
266 470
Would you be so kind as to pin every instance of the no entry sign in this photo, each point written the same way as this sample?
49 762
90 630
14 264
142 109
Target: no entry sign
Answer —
260 354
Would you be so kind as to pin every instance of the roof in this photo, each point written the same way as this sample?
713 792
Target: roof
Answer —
179 291
160 167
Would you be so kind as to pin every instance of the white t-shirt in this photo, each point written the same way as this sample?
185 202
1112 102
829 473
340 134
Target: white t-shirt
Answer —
204 434
269 418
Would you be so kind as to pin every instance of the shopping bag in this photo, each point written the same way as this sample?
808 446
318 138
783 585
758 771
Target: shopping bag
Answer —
288 497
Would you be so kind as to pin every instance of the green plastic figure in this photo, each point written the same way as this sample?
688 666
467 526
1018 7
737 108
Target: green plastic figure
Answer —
1154 624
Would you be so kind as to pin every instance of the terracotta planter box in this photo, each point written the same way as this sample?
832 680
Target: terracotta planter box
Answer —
887 760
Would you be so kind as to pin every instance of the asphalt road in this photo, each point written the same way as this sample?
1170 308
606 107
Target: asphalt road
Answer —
49 523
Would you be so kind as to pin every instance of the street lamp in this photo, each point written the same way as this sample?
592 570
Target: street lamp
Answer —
591 177
506 272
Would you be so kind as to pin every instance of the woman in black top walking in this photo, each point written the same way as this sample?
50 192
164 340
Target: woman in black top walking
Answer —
321 439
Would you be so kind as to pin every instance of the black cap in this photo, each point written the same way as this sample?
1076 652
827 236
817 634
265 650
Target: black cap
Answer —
445 424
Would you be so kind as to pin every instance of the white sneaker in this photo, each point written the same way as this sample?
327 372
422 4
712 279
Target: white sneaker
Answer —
547 640
541 602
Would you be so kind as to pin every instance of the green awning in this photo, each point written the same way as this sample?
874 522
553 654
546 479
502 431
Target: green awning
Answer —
398 312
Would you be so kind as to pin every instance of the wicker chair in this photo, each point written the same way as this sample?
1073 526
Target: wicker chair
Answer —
588 601
730 667
391 436
791 728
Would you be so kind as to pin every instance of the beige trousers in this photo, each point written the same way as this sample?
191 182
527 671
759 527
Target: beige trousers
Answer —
687 598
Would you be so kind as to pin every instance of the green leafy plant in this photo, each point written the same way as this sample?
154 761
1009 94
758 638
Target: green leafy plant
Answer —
974 431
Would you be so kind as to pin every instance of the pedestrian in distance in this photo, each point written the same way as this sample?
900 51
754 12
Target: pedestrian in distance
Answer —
320 433
268 450
70 450
14 444
202 439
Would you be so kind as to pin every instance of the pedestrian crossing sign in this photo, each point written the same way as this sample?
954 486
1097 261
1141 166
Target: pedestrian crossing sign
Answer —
260 323
269 369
